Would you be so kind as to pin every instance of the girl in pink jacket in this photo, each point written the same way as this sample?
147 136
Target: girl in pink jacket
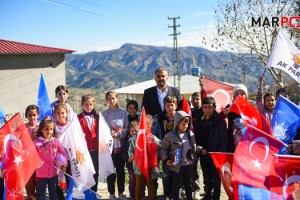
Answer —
48 148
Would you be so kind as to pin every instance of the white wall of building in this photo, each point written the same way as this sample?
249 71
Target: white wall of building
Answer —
20 78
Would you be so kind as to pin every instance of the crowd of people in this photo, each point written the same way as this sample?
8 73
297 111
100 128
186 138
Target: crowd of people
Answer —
181 141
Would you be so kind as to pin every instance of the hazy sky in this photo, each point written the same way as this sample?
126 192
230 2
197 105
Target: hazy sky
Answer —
97 25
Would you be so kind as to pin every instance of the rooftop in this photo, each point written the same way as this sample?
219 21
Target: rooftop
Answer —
11 47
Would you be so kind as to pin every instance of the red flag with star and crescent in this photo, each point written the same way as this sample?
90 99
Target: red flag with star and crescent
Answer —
222 92
253 158
223 163
19 156
145 155
250 114
285 177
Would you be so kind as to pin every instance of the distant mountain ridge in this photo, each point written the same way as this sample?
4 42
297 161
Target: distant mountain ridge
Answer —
133 63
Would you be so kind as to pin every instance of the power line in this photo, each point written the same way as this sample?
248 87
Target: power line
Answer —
92 3
72 7
175 49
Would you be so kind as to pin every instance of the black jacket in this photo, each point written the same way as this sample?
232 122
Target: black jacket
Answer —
217 139
151 102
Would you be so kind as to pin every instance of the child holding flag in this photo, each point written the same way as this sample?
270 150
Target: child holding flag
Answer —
152 143
48 147
60 113
32 114
89 121
132 108
117 121
265 103
133 130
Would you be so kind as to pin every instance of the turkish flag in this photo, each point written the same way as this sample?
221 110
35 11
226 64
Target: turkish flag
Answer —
20 158
285 177
145 155
250 114
253 158
186 108
223 163
222 92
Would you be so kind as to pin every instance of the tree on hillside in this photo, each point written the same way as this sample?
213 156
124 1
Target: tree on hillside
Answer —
237 33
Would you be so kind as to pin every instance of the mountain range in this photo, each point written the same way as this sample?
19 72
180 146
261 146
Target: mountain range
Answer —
133 63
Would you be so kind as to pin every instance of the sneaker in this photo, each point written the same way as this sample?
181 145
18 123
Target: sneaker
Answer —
197 195
182 194
122 197
113 197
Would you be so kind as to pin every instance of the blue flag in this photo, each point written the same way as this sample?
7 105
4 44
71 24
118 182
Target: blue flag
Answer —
69 195
2 117
249 192
286 120
43 100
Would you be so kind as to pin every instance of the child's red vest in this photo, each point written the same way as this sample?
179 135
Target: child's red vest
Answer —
91 137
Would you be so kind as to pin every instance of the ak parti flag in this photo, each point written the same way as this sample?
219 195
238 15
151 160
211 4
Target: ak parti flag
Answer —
253 159
105 149
43 100
222 92
250 115
73 140
285 56
19 156
223 163
285 177
145 155
286 119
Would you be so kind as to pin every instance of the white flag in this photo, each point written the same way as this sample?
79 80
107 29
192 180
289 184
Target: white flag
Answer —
106 166
80 160
285 56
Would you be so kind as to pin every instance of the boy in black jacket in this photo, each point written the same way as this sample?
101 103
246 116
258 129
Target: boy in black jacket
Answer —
211 136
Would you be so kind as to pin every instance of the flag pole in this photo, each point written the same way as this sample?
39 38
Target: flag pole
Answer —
81 184
264 72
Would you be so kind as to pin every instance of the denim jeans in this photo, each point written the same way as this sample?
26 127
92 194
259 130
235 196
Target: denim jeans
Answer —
167 181
41 188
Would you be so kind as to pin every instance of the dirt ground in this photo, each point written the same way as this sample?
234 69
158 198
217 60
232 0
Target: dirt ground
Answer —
102 191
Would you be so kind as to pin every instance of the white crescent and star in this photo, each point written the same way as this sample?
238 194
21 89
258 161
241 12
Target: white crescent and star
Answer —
267 147
18 159
226 169
9 137
288 181
226 93
141 132
252 121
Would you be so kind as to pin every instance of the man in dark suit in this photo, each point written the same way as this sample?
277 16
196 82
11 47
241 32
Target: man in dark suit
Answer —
153 99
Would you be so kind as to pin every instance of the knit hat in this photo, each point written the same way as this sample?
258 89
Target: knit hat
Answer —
240 87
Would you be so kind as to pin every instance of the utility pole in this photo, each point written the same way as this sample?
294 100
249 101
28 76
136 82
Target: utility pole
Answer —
175 49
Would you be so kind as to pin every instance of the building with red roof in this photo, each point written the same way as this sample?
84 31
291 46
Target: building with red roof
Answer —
21 65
